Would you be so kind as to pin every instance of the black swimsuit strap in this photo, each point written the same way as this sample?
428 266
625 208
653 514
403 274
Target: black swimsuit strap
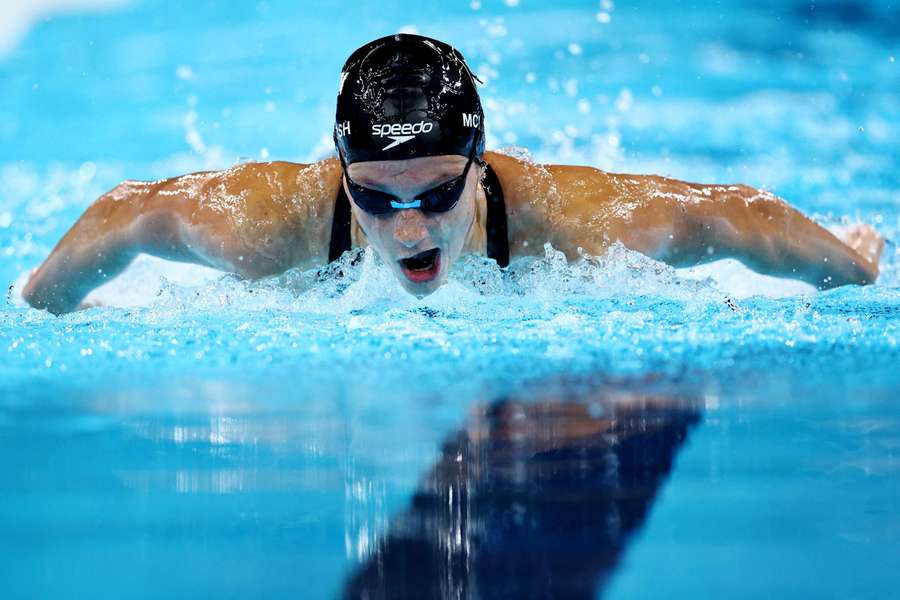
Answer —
340 226
497 231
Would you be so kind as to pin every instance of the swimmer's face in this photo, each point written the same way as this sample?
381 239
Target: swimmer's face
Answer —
419 247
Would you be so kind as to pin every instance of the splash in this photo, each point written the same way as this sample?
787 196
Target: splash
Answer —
360 281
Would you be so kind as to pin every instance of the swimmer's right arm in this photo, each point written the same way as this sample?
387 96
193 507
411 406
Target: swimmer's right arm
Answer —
117 227
244 220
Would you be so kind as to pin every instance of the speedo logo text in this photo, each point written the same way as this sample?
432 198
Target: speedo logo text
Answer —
400 132
390 129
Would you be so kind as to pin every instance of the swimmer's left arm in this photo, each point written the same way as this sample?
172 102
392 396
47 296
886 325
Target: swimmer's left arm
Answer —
686 224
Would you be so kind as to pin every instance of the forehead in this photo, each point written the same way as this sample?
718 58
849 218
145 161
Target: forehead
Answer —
421 170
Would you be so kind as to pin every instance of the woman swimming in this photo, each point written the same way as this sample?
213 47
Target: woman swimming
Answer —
413 180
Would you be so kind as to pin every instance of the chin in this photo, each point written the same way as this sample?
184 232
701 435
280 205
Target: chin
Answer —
421 293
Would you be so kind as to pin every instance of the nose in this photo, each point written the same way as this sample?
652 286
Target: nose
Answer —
409 227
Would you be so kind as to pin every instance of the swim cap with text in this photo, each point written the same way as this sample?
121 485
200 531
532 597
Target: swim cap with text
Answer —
407 96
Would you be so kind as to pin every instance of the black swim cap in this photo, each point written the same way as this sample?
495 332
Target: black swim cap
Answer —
406 96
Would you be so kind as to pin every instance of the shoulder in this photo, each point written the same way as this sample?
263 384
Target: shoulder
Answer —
279 211
525 180
276 192
544 201
285 185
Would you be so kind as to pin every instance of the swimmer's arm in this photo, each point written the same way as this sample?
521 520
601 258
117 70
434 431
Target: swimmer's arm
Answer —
688 224
128 220
203 218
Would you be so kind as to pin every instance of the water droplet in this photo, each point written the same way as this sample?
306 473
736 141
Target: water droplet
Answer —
184 73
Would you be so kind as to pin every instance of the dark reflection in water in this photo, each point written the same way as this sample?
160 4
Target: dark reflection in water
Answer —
530 500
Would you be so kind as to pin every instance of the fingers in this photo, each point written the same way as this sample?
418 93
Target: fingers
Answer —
866 241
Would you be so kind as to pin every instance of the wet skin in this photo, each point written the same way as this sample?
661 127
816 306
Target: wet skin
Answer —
407 233
261 219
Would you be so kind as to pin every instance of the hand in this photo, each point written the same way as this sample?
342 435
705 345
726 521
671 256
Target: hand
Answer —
867 243
90 304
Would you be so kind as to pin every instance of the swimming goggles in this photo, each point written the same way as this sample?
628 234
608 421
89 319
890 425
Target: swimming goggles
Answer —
438 199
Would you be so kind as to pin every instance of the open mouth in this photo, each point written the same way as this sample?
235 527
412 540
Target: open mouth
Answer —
422 267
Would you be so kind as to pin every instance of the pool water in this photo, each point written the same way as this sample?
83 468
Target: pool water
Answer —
611 427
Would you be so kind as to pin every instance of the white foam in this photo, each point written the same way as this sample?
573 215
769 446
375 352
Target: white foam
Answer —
142 283
738 281
366 282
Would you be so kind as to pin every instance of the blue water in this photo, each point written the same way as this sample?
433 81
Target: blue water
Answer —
608 428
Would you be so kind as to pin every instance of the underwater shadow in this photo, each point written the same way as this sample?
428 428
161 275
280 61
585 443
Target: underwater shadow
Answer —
530 500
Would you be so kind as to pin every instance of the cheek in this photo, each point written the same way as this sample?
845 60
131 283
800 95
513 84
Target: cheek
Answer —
443 228
375 228
460 218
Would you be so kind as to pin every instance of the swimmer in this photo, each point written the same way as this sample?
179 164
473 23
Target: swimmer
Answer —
412 179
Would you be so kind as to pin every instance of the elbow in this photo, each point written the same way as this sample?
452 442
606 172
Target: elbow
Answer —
698 239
